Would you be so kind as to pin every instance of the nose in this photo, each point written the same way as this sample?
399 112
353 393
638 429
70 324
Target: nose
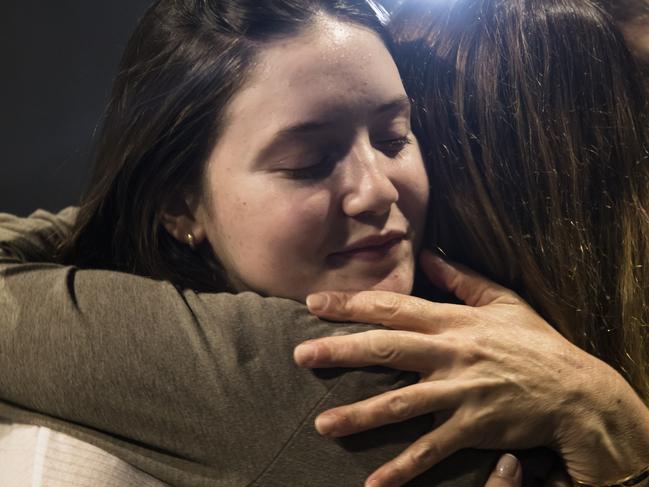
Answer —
370 190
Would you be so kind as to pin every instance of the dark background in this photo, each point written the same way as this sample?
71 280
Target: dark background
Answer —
58 61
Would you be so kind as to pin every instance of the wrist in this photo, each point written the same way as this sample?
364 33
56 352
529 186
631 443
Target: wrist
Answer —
603 433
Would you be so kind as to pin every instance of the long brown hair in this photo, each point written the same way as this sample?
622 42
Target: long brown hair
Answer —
182 66
533 118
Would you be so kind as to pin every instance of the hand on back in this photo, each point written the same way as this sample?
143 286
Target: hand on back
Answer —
495 374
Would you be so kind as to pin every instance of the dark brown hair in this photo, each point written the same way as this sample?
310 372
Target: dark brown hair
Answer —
532 116
183 64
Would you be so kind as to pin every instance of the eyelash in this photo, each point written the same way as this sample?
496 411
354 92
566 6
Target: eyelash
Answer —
316 171
391 148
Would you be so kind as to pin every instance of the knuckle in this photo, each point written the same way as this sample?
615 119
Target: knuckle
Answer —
484 294
473 353
450 346
469 431
456 282
339 302
471 317
399 408
515 298
384 351
467 318
388 306
464 427
507 296
424 455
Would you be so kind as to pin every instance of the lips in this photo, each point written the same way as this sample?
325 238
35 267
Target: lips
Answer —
373 247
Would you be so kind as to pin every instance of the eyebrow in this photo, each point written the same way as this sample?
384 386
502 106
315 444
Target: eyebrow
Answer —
310 127
400 104
303 128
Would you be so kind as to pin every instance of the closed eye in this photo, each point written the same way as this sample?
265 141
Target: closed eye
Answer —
392 147
317 171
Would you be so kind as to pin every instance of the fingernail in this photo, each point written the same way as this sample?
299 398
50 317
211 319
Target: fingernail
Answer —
325 424
507 466
317 302
304 354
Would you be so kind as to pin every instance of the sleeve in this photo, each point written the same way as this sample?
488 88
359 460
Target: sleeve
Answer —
37 237
194 389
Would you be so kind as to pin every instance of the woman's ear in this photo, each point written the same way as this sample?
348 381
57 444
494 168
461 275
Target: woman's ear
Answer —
184 221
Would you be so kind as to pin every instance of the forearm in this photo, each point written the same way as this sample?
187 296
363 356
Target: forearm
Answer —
74 342
180 373
195 389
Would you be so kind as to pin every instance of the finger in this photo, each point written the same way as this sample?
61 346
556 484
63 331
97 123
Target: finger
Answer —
427 451
390 407
469 286
402 350
394 310
508 473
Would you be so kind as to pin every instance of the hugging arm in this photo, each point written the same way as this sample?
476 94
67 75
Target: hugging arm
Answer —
195 389
37 238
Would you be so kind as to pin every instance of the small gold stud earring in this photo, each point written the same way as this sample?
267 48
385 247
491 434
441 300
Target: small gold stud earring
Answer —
190 241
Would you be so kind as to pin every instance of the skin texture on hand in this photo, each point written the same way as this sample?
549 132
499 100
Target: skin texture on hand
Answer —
495 373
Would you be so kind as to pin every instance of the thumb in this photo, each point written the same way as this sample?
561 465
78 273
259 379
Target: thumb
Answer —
508 473
469 286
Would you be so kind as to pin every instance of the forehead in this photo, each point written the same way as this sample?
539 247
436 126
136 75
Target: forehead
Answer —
333 69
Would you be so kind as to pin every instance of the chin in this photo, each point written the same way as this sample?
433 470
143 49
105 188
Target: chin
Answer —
401 280
398 280
395 282
394 287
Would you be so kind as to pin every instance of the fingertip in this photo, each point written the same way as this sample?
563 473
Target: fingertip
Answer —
317 302
426 253
508 466
395 473
436 268
305 354
378 479
426 256
437 260
325 424
508 473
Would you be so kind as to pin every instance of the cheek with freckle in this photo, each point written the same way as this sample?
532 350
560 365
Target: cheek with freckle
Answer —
300 229
305 217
